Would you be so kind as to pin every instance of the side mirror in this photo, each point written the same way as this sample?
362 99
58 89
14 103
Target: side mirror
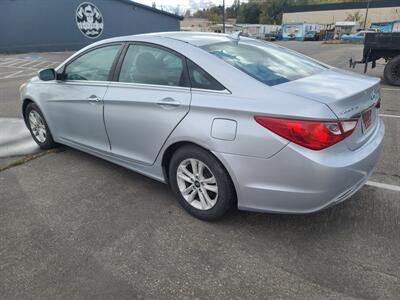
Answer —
47 74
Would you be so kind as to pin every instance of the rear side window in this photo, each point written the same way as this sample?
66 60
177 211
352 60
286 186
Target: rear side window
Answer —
152 65
200 79
267 63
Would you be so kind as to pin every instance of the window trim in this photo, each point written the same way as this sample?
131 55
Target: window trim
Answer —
116 66
122 56
200 89
61 75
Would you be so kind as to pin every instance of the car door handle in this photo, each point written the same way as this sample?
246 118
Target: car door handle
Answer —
168 103
94 99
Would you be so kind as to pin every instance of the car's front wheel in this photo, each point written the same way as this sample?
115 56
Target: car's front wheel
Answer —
201 183
38 127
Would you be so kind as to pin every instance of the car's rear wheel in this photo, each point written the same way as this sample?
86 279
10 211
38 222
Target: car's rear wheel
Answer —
392 71
201 183
38 127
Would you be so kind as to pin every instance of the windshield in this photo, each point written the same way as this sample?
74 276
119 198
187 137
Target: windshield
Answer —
268 63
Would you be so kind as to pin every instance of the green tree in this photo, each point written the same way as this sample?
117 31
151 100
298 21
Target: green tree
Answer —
214 14
265 11
356 17
200 13
262 11
249 12
272 11
233 11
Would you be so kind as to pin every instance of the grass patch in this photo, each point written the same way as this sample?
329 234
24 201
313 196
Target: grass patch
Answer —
29 158
337 42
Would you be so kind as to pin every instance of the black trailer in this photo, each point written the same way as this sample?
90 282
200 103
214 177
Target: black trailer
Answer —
379 45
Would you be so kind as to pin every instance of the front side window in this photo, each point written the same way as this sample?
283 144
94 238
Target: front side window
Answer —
267 63
94 65
152 65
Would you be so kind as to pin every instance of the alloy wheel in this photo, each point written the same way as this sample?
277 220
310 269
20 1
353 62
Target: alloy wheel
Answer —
197 184
37 126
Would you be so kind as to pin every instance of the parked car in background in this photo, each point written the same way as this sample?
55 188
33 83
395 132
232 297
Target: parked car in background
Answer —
311 36
227 122
271 36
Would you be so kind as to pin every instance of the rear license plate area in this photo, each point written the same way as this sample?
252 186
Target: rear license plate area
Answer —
367 119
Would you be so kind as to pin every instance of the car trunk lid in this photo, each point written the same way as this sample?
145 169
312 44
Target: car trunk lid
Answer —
348 95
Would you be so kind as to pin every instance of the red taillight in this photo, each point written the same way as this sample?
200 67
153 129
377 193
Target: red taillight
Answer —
316 135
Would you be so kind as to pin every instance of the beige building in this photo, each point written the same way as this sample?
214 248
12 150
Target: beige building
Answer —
379 11
204 25
195 24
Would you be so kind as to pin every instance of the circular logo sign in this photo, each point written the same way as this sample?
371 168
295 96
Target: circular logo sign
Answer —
89 20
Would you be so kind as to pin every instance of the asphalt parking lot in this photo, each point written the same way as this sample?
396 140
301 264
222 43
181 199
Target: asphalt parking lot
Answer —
75 226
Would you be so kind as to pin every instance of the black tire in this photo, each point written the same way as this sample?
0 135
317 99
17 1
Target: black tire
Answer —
392 71
226 199
48 143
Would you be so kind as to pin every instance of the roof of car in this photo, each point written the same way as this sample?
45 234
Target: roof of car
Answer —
193 38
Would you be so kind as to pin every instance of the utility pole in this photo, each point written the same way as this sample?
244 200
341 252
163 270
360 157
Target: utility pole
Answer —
223 16
366 15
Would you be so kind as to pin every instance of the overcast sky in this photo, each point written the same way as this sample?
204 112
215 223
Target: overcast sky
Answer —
193 5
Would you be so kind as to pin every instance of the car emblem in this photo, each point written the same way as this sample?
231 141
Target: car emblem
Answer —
374 95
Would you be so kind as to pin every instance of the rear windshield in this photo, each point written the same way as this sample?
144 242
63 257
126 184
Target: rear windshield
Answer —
268 63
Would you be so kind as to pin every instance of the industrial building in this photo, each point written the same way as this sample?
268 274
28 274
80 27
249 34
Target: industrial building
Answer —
378 11
58 25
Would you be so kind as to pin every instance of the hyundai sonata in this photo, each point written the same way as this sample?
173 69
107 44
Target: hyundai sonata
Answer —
227 121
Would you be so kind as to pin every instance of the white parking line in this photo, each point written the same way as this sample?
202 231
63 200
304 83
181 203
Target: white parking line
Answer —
5 61
38 64
24 75
18 64
54 64
28 64
23 67
9 63
13 74
386 186
389 116
390 89
48 65
7 73
14 63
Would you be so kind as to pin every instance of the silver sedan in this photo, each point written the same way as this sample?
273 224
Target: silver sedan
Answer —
227 121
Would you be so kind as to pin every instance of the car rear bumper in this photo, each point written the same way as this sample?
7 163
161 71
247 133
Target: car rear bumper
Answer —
299 180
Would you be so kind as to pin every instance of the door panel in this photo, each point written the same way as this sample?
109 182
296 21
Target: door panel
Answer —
139 119
150 99
76 101
77 118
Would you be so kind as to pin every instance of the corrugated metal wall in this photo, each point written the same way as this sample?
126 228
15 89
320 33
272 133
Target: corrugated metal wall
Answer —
50 25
